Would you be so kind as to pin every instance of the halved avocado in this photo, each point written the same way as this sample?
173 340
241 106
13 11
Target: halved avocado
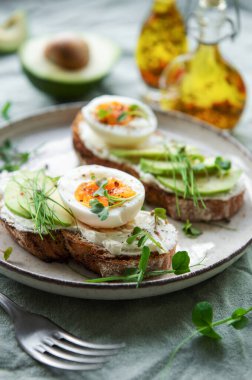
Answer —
13 32
67 84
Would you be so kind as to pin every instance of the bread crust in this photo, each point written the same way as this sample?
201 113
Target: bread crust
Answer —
71 244
48 249
215 209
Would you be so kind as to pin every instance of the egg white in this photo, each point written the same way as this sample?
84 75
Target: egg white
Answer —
118 216
130 135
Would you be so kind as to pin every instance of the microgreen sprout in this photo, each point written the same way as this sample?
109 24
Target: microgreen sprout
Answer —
190 230
202 318
11 158
222 164
6 253
5 110
180 265
98 208
159 214
141 236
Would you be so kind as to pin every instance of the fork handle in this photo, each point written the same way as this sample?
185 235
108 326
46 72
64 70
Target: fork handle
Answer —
11 308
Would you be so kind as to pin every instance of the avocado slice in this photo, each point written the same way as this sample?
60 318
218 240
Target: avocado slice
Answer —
168 168
13 32
67 84
207 185
21 203
157 153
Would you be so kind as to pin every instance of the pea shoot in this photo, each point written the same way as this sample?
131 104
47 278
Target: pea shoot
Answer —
5 110
98 207
6 253
190 230
202 319
180 265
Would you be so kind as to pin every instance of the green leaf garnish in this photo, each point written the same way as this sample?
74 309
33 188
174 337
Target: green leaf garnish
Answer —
181 262
7 252
159 213
180 265
102 113
101 191
11 158
99 209
136 111
190 230
122 116
133 107
222 164
5 110
143 263
202 318
202 314
135 233
142 236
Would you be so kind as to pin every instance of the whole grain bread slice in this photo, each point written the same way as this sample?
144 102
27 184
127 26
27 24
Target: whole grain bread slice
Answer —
66 244
215 209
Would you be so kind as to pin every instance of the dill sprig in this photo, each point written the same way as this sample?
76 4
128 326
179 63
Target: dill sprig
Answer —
181 160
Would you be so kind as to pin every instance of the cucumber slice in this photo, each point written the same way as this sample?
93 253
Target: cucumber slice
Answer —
168 168
19 197
207 186
11 195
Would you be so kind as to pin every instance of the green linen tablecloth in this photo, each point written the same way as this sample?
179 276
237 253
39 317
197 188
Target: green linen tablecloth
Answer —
150 327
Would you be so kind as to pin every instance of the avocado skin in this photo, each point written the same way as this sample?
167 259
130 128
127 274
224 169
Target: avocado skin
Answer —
59 90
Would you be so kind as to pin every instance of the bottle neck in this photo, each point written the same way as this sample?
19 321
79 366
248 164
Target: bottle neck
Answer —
210 16
163 6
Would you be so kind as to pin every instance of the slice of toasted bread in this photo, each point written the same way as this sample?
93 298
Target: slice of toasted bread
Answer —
70 243
100 260
215 209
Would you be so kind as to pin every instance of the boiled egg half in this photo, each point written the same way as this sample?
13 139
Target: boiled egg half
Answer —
120 121
101 197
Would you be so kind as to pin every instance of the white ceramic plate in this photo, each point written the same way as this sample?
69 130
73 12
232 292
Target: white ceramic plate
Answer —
221 247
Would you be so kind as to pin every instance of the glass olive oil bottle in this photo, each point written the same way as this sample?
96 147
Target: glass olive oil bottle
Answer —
203 84
162 38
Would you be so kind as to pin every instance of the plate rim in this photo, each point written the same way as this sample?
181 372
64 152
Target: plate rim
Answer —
74 106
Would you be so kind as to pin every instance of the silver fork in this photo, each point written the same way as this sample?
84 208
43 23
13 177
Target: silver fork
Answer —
51 345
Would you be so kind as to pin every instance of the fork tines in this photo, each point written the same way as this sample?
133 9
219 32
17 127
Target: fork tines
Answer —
65 351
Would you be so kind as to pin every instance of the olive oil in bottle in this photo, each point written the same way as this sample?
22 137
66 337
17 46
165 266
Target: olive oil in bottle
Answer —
162 38
204 84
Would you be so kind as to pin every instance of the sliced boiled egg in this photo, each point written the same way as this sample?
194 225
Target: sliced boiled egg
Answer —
120 121
101 197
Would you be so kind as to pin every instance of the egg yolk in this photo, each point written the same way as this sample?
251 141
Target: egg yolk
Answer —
114 113
85 192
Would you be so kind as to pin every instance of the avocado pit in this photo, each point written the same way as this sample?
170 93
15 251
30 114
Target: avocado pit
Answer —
69 53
